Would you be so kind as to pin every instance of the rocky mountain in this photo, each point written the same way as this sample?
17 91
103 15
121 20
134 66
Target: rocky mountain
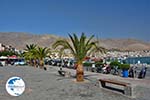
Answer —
19 40
125 44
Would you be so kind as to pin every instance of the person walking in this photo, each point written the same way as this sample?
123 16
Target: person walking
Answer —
142 73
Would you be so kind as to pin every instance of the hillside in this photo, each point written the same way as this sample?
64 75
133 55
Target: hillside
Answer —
19 40
125 44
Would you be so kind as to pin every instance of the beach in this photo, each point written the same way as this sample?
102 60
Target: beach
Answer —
49 85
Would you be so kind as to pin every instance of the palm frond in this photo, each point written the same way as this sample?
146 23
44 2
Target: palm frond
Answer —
79 47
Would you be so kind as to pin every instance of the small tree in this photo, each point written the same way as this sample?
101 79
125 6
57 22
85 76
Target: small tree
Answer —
80 48
29 54
115 63
8 53
33 53
41 53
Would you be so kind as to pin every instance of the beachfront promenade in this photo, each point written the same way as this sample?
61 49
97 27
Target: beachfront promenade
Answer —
49 85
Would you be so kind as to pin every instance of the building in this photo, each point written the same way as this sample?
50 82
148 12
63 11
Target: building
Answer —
2 47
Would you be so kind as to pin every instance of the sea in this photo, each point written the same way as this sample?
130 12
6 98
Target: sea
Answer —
138 60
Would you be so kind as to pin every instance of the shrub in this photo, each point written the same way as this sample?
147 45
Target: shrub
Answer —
87 64
98 64
115 63
124 66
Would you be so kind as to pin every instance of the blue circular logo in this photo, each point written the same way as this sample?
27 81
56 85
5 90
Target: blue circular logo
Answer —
15 86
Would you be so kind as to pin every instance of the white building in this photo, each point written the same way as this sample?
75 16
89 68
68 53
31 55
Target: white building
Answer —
2 48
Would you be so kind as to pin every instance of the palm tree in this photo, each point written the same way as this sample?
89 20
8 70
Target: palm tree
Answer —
29 54
80 48
30 47
41 53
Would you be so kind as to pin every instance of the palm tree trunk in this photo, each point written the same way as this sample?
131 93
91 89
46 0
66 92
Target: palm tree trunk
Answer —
41 64
80 73
30 62
34 63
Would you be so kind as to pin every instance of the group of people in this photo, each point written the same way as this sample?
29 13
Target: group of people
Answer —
106 69
133 72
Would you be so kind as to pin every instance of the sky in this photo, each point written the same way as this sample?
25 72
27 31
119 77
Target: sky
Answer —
105 18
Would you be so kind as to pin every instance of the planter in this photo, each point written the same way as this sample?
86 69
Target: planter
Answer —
125 68
125 73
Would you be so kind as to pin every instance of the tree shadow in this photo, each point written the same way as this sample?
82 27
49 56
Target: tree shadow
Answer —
90 75
74 77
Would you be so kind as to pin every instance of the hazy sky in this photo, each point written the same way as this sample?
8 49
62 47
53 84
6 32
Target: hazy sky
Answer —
109 18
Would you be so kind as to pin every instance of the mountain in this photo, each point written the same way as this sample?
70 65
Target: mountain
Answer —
20 39
125 44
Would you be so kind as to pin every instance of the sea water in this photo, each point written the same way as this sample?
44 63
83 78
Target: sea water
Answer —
138 60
